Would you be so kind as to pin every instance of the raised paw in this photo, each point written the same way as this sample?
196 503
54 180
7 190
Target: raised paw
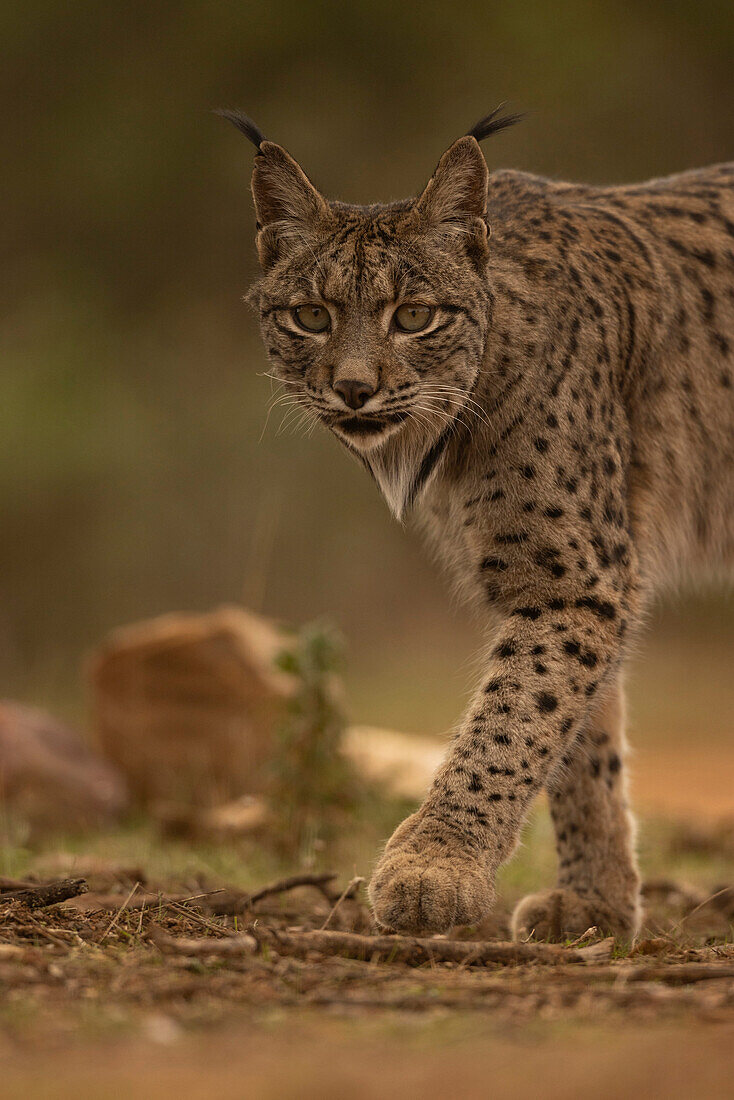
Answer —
562 914
425 883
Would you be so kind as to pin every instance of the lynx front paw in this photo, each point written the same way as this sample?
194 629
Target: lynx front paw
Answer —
562 914
425 883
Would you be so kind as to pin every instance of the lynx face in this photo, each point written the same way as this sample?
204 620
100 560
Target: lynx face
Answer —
376 318
377 322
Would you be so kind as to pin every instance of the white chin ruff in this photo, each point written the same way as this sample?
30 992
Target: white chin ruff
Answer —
404 466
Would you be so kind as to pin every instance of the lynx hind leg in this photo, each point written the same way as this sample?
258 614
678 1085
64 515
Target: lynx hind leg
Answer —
598 881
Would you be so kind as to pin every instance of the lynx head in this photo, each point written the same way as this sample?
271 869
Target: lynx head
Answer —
375 317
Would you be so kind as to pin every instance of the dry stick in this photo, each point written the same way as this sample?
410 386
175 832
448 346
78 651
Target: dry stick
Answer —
280 887
583 940
200 920
195 897
117 915
38 897
415 952
681 973
712 897
185 899
412 952
47 934
72 936
348 891
159 899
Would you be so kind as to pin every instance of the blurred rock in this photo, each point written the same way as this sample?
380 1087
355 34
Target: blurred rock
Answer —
187 705
402 763
49 778
244 816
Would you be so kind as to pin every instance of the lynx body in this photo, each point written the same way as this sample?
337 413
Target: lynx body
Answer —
543 374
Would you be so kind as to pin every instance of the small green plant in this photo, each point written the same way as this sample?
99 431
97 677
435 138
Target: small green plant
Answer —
314 790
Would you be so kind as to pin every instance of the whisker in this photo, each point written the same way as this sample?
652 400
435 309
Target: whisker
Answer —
472 406
278 399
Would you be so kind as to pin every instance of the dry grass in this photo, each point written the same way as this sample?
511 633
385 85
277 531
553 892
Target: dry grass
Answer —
114 948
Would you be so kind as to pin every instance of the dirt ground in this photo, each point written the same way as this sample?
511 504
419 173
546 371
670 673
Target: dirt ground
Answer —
132 989
328 1063
158 988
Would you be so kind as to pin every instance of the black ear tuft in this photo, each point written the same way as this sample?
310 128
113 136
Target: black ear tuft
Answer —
244 124
493 123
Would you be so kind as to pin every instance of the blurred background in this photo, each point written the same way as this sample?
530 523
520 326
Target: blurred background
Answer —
139 471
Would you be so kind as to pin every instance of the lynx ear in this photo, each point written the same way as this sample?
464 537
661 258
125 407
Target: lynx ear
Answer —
287 205
456 193
281 190
455 197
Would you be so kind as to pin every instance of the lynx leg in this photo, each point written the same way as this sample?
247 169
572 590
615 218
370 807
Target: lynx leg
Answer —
598 880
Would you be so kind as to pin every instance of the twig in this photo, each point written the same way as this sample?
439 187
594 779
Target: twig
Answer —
47 934
710 898
178 908
69 933
195 897
117 915
680 973
348 891
412 952
598 951
38 897
234 902
590 934
280 887
153 900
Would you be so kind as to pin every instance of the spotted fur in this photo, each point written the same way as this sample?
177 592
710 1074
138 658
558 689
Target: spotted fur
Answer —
563 432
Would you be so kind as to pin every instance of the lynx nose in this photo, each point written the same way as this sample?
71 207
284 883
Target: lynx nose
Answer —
353 392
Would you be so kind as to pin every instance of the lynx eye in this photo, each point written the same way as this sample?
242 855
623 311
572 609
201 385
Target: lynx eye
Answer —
312 318
412 317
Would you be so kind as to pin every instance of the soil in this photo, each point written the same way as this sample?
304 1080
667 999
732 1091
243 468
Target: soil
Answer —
135 985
